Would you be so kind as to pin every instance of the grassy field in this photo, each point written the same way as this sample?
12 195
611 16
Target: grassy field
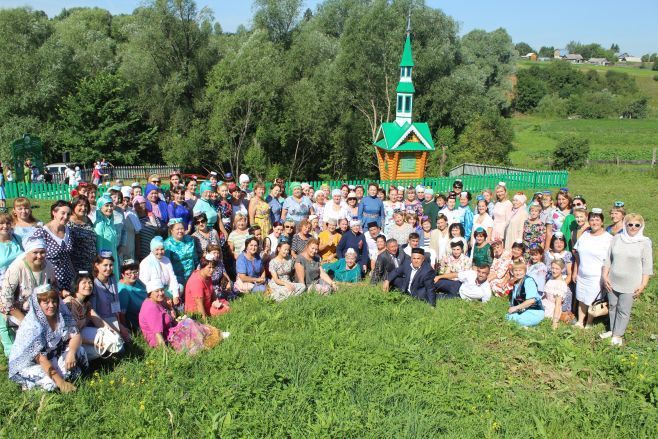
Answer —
365 363
536 137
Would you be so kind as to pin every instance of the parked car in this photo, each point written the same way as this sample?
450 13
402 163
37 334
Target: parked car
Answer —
58 170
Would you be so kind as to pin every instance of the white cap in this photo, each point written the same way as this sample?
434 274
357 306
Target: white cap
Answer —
244 178
354 223
597 210
336 192
305 185
401 188
352 194
420 188
154 284
312 217
429 191
126 191
352 187
502 183
350 251
44 288
77 168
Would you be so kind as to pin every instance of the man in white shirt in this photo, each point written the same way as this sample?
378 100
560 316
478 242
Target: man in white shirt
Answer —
475 285
414 242
371 239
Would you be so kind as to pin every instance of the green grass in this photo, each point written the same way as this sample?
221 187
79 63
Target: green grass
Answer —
364 363
536 137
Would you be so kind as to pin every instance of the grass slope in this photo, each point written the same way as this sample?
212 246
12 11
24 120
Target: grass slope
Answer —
365 363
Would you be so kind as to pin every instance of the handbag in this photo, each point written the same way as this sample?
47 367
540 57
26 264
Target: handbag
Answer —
599 307
107 342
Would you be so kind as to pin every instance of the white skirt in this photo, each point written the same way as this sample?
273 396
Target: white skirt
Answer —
588 289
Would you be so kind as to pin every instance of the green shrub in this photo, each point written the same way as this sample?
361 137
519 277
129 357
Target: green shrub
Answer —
594 105
571 153
552 105
655 77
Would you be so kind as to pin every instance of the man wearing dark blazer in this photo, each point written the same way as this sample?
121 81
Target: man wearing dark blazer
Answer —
388 261
415 278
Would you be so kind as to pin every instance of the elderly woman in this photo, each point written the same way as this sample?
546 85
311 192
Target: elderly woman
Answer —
318 207
591 253
56 234
83 236
27 272
296 207
156 266
502 212
499 275
352 207
346 269
517 217
204 205
199 292
48 350
106 234
24 222
250 270
203 235
371 208
86 319
534 230
617 214
181 251
526 307
328 241
275 203
626 273
155 318
309 271
281 270
335 210
400 229
155 204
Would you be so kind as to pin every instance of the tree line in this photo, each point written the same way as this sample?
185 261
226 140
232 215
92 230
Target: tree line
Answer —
298 94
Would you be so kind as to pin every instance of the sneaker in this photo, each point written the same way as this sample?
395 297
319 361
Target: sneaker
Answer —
605 335
617 341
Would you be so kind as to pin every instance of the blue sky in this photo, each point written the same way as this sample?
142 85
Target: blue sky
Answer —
631 23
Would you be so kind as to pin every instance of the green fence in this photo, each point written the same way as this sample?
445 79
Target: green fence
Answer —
472 183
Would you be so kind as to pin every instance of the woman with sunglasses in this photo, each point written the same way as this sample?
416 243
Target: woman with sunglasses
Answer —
591 251
617 214
626 274
203 235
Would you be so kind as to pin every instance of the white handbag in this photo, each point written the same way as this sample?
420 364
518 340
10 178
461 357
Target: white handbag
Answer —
107 342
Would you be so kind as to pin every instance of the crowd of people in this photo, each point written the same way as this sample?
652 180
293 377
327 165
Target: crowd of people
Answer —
105 268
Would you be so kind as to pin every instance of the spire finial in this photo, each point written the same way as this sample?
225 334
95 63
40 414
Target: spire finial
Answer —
409 22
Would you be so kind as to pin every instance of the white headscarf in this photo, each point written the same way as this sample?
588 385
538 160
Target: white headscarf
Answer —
628 239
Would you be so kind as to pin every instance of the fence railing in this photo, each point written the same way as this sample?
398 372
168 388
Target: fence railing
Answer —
472 183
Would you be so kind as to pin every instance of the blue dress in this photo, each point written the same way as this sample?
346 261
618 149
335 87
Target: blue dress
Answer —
527 289
371 209
275 208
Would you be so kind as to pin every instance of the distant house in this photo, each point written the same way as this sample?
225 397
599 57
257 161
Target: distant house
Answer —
544 59
598 61
559 53
629 58
532 56
574 58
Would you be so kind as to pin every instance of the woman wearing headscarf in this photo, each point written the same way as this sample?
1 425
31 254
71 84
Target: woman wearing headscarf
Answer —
591 251
518 215
626 273
181 251
48 349
156 266
106 234
318 207
335 210
371 208
502 212
345 269
296 207
155 204
155 318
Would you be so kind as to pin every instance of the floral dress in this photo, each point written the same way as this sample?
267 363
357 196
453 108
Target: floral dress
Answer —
83 241
202 241
534 234
500 285
283 269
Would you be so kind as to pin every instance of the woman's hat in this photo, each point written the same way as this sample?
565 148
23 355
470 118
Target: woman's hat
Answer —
157 242
33 243
153 285
597 210
354 223
351 195
174 221
105 254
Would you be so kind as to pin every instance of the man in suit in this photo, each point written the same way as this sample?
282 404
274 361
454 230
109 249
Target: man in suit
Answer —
415 278
388 261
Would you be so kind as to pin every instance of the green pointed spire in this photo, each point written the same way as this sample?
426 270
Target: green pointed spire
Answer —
407 59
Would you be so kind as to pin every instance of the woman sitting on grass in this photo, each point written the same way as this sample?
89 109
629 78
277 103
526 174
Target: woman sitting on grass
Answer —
481 253
281 270
346 269
309 271
249 266
555 291
48 350
155 318
525 303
